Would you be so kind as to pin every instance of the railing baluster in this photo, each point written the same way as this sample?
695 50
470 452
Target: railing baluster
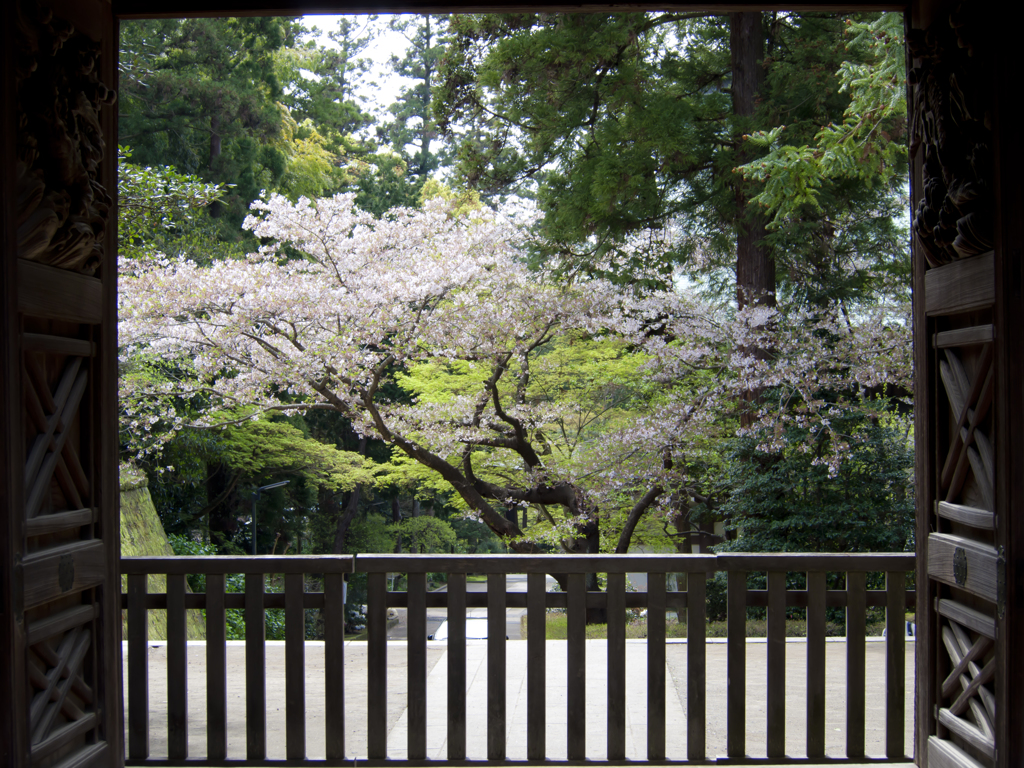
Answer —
696 665
856 615
177 669
216 669
816 664
776 664
656 666
295 666
536 669
377 666
416 648
334 664
736 661
576 667
895 662
496 666
255 669
616 666
456 666
294 600
138 668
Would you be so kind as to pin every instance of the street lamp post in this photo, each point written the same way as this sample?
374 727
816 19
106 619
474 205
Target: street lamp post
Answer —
255 498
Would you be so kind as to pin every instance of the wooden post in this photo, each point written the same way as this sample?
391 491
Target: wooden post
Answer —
736 685
334 664
177 669
776 664
377 661
255 669
656 666
457 666
496 666
216 669
696 666
295 666
536 677
416 647
576 684
616 666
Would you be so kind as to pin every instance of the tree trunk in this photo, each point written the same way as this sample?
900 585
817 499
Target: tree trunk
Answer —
755 269
396 517
346 518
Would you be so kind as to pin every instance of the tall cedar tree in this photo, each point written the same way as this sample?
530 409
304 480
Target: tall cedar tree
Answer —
201 95
622 122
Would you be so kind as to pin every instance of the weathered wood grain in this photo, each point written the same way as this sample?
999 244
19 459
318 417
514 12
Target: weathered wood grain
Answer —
334 665
856 612
576 668
969 732
377 667
255 669
816 665
965 337
982 564
776 707
57 294
496 666
895 662
232 564
58 345
962 286
416 649
294 667
656 666
457 666
616 588
736 661
138 669
60 622
60 521
177 670
216 668
972 516
696 667
536 669
945 754
973 619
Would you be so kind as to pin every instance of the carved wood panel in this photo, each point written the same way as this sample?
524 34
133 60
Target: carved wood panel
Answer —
62 345
958 368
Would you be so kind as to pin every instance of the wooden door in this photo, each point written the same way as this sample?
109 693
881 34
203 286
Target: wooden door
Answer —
60 697
970 378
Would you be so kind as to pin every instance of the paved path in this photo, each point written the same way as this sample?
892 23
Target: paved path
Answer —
636 653
514 582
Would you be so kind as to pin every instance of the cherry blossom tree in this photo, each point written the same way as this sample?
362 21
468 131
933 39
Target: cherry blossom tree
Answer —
575 401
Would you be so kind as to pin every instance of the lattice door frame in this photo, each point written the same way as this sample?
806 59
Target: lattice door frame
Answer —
60 691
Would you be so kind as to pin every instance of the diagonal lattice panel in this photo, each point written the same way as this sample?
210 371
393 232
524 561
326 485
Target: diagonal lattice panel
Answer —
51 453
969 446
972 712
55 684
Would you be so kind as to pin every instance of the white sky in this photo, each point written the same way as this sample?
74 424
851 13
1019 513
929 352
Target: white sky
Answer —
386 85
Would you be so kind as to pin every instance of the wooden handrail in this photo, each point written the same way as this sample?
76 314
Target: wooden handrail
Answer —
657 600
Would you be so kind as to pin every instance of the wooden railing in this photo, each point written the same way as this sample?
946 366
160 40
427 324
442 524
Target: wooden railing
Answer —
855 598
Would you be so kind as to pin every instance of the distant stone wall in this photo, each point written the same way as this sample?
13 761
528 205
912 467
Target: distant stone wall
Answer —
143 534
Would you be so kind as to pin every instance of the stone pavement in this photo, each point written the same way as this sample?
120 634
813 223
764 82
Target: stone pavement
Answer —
516 656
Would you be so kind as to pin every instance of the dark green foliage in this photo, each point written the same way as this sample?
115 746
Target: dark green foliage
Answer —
235 583
620 122
201 95
414 128
789 502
